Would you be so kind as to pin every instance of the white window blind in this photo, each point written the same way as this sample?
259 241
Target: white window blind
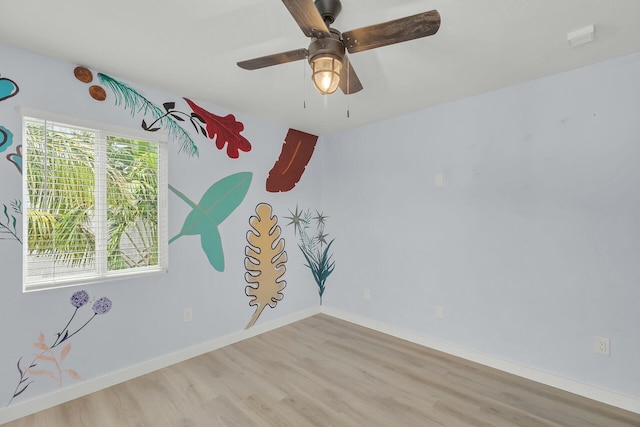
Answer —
95 204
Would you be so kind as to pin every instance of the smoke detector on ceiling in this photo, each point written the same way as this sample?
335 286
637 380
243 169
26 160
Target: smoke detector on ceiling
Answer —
582 36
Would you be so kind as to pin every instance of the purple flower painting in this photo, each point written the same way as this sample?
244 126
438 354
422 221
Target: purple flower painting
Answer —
51 358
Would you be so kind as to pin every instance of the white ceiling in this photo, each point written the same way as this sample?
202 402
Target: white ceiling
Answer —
191 48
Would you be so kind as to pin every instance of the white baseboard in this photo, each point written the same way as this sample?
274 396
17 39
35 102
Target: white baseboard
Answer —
605 396
39 403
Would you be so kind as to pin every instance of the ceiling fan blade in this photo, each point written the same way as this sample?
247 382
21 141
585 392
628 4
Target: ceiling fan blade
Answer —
349 81
391 32
308 18
274 59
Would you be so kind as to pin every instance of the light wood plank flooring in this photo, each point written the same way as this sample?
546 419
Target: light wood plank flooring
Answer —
322 371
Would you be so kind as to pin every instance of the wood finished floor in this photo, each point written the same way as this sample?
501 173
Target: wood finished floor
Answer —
322 371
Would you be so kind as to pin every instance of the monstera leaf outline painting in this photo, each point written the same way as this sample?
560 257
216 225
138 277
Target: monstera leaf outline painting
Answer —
265 261
217 203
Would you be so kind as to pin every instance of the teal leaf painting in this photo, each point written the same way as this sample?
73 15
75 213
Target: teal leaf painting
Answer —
8 88
217 203
6 138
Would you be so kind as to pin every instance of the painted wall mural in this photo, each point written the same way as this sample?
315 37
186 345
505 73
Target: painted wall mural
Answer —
170 108
9 222
16 158
225 130
295 155
132 100
217 203
6 138
45 357
8 88
136 103
85 75
52 358
265 261
312 241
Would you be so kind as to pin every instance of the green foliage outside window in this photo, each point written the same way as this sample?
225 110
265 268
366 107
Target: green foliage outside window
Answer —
65 212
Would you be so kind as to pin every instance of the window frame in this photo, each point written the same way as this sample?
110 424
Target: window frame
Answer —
102 130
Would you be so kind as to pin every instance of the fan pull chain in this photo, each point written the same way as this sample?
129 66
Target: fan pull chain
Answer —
304 85
348 86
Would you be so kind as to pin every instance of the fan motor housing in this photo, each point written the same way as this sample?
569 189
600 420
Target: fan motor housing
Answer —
329 10
327 46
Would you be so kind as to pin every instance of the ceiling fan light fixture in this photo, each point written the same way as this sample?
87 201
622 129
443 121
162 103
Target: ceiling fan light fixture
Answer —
326 71
331 69
326 57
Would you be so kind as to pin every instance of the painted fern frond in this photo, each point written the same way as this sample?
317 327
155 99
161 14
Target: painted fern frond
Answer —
8 225
137 103
313 245
320 264
16 204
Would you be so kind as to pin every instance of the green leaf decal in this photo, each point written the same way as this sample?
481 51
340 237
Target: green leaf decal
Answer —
217 203
225 196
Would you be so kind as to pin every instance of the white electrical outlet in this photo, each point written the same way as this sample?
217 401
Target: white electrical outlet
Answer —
188 315
367 294
438 180
602 345
439 312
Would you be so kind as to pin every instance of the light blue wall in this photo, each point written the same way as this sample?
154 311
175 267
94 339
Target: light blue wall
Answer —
532 246
146 319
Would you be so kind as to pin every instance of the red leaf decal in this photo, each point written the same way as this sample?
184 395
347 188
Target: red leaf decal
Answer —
295 155
226 130
41 338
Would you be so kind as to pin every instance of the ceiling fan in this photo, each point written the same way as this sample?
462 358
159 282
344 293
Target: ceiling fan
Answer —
326 54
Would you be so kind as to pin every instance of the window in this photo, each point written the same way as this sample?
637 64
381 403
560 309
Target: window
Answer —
95 203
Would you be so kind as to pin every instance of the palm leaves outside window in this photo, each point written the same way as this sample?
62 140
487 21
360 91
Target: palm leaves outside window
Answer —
89 206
